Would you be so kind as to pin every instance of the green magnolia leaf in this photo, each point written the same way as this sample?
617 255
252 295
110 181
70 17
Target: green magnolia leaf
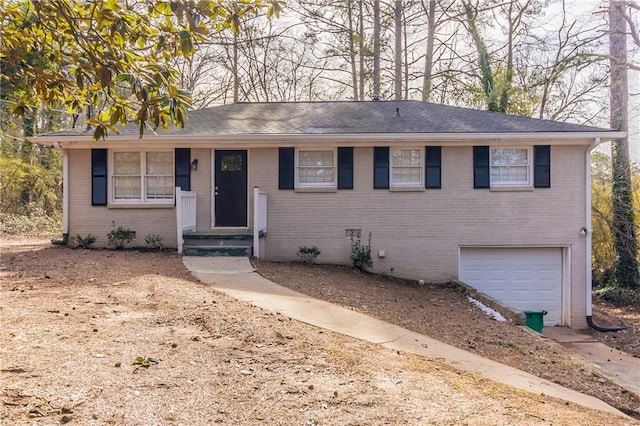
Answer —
80 80
179 121
186 47
123 78
71 53
18 109
93 122
100 132
114 129
114 116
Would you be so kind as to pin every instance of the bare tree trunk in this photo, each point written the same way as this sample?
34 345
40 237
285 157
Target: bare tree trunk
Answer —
515 20
352 50
361 47
236 79
504 95
623 218
405 37
398 51
428 58
483 58
376 50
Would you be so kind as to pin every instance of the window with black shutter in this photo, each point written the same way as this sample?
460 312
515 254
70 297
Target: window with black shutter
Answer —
183 168
542 166
98 177
286 168
433 167
481 167
381 167
345 168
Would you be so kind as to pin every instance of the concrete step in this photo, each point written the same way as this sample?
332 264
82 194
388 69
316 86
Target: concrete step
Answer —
228 250
218 235
217 242
210 246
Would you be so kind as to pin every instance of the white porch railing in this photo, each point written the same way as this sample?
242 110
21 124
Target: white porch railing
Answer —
259 218
185 214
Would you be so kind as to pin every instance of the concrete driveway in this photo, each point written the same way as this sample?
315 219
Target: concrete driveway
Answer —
617 366
235 277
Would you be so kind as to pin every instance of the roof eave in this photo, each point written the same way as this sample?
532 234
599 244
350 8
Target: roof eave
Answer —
370 139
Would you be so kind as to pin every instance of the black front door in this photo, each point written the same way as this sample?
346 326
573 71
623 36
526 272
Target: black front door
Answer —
230 189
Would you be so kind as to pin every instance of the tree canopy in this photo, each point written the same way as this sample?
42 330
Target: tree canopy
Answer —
111 55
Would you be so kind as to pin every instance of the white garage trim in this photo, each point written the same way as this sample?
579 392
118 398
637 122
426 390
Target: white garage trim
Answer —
566 286
507 273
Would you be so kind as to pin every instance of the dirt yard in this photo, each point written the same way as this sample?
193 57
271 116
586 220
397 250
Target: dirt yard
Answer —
126 337
444 312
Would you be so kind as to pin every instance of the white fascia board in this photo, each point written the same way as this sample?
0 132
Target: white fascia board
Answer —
351 139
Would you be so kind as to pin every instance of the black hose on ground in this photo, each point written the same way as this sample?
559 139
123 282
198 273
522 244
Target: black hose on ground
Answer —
62 242
596 327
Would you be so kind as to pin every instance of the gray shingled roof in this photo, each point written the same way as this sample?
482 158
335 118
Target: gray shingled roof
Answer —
374 117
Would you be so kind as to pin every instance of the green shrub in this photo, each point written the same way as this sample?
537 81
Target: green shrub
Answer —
619 296
120 236
84 242
34 224
309 254
155 241
360 253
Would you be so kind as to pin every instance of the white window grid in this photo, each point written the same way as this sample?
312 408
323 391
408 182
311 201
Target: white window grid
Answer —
510 166
147 180
316 168
406 167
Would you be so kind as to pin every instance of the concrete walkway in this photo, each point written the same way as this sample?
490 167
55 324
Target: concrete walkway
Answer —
236 278
618 366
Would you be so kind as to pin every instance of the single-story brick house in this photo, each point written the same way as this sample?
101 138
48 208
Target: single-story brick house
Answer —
499 201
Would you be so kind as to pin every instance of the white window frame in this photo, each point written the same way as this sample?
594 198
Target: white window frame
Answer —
392 183
143 200
331 185
518 184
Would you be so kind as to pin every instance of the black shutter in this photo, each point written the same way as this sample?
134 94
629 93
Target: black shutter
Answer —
542 166
345 168
481 167
433 167
183 168
98 177
381 167
286 165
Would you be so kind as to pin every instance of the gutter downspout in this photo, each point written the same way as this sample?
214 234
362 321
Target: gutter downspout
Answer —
65 200
589 233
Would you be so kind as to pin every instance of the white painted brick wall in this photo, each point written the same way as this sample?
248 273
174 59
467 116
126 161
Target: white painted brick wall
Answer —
99 220
420 232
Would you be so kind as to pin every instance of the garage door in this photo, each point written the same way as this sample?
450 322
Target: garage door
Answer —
524 278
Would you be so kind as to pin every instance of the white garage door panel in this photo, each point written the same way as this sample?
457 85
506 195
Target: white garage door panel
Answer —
525 278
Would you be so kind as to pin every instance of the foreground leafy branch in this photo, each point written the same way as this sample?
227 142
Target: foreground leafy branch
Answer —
108 54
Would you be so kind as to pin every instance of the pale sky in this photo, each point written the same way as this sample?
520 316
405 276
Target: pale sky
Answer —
579 7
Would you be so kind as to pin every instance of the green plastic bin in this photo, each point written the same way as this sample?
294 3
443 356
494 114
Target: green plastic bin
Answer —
535 320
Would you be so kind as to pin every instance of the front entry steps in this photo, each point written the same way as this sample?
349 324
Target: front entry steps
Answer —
218 243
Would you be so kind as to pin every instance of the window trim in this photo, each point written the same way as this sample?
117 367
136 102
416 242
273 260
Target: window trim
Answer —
420 184
319 185
507 185
143 200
